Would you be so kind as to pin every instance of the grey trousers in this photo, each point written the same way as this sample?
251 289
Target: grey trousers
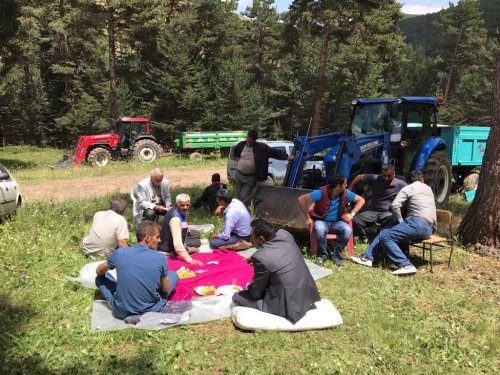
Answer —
245 185
364 222
244 299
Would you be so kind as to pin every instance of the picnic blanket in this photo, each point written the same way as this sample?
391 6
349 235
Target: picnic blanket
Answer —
203 309
222 267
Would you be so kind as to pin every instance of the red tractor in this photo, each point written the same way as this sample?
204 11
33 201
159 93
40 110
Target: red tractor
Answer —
131 139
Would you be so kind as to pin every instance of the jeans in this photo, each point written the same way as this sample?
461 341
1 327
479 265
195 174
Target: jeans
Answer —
107 286
340 228
217 243
412 228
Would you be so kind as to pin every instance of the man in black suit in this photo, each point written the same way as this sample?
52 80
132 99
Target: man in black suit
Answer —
282 284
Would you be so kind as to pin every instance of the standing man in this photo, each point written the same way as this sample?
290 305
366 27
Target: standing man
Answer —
384 187
109 230
253 161
143 283
236 223
282 284
330 215
153 196
175 230
419 224
209 196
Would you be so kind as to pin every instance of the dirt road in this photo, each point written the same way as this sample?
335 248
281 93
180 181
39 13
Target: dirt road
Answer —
61 190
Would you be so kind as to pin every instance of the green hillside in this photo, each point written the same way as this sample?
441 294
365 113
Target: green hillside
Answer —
419 30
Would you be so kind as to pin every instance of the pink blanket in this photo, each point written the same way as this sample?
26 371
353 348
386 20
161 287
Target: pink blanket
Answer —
222 267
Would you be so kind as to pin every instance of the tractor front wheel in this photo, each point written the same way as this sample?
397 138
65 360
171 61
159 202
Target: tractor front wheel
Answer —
437 174
146 151
99 157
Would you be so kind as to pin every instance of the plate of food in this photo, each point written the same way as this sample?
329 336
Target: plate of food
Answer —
205 290
185 273
229 290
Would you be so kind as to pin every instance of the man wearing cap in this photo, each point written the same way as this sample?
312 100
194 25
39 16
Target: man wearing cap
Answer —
253 161
237 220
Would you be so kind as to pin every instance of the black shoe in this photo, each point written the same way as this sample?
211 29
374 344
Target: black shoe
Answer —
337 259
320 260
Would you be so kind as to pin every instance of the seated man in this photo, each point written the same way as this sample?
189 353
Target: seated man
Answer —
419 223
109 230
153 196
330 215
282 284
384 189
143 283
174 232
208 198
236 222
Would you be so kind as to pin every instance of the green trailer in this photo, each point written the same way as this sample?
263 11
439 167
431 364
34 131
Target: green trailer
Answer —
208 141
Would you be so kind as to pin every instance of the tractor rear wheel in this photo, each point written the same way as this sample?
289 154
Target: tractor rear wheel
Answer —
437 174
146 151
99 157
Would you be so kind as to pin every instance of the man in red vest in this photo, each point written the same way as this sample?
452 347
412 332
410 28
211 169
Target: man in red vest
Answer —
330 214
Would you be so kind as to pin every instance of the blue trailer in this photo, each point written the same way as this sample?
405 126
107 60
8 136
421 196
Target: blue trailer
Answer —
465 145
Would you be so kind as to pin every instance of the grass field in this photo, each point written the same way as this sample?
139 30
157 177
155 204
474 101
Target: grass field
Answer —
441 322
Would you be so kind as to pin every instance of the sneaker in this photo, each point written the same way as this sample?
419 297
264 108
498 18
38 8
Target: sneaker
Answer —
364 261
409 269
320 260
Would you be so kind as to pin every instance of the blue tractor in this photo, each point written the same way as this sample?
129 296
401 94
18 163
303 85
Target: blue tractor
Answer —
401 131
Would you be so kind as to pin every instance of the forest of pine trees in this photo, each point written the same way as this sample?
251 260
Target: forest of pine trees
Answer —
67 67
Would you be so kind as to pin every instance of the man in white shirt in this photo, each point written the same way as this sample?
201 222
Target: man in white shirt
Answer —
109 230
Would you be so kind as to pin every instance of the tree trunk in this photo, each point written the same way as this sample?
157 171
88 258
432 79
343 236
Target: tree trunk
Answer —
480 226
453 66
320 85
113 107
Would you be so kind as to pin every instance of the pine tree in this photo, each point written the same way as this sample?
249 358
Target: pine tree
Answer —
466 63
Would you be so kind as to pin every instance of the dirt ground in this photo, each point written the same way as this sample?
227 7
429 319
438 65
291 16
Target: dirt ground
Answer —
61 190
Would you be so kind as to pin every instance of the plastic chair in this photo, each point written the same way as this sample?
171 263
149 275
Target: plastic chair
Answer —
330 236
437 242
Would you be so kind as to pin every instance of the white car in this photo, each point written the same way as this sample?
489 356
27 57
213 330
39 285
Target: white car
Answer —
10 193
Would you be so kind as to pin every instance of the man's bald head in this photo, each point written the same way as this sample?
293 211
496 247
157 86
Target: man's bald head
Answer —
156 176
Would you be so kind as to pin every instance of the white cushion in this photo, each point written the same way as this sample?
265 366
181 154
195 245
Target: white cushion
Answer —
324 316
87 275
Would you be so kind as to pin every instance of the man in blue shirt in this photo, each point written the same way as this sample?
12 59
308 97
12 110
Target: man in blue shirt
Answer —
237 220
143 283
330 215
